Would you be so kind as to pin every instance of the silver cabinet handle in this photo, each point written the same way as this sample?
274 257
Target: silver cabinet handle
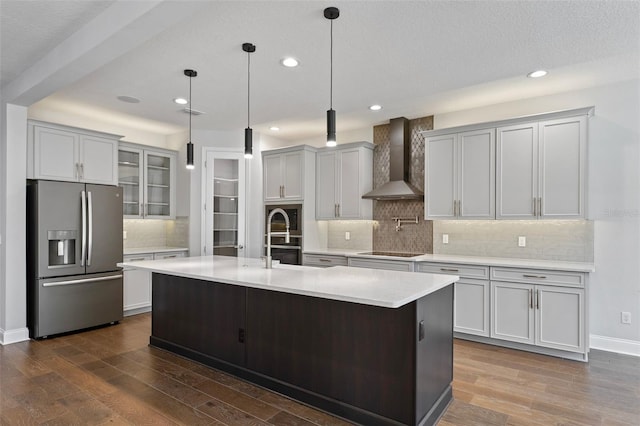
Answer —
540 206
135 260
530 299
170 256
534 207
454 208
84 227
449 270
90 214
82 170
542 277
460 208
324 260
77 175
81 281
141 213
538 299
338 215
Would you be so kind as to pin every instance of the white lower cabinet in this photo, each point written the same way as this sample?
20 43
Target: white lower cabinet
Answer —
470 297
137 283
137 287
323 260
546 316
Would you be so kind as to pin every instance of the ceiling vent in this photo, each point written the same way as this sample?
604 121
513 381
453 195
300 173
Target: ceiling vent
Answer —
188 110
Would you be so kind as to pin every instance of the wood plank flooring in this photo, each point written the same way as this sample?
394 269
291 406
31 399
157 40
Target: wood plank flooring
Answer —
110 376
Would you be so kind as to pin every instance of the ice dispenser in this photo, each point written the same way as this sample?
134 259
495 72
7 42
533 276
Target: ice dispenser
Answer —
62 248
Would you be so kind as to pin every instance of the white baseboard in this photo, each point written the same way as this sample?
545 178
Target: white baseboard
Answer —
611 344
13 336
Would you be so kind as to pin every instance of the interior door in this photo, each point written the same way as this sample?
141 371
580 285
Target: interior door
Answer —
224 223
104 210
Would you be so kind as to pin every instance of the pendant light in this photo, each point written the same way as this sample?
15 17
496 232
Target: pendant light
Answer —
190 165
248 132
331 13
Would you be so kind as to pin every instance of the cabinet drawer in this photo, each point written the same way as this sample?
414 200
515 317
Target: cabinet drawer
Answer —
137 257
391 265
538 276
464 271
169 255
323 260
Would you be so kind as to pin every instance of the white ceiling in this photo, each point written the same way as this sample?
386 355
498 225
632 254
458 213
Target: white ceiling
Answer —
413 57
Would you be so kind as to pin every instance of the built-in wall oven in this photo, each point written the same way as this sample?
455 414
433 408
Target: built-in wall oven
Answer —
290 253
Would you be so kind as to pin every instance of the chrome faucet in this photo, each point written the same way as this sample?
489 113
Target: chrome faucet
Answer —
269 233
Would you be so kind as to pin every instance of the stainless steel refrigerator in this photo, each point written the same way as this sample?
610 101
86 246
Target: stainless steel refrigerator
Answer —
74 241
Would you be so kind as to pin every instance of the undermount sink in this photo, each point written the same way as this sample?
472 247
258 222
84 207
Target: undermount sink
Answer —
391 253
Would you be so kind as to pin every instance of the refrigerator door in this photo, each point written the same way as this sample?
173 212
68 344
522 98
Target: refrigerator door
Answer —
67 304
58 212
104 228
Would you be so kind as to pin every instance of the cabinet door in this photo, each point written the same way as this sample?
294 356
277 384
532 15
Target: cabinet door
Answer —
130 180
471 308
225 204
98 160
440 176
517 171
326 185
272 177
349 193
512 316
562 168
55 154
476 178
136 285
292 176
560 318
159 180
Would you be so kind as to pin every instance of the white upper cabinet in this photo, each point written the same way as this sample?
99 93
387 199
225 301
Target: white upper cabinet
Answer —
69 154
460 175
283 176
541 169
148 179
343 175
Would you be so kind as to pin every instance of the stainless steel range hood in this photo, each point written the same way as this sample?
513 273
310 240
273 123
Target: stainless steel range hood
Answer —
398 187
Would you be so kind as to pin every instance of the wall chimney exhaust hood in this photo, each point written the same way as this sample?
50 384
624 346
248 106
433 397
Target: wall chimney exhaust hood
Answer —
398 187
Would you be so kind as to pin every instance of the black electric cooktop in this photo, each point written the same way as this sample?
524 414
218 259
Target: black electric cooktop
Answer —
392 253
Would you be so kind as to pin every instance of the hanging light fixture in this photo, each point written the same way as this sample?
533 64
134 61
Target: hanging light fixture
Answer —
331 13
248 132
190 165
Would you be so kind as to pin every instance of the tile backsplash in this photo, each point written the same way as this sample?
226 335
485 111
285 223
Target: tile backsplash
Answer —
564 240
156 233
415 238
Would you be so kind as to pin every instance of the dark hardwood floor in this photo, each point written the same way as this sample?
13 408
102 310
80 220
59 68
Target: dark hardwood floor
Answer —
110 375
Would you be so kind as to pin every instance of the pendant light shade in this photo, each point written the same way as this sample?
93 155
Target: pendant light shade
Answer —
190 163
331 13
248 132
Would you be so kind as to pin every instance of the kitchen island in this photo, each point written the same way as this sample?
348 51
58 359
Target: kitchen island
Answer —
372 346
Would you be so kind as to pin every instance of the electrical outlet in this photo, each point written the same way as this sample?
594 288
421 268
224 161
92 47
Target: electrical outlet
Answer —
445 238
124 235
522 241
347 235
625 317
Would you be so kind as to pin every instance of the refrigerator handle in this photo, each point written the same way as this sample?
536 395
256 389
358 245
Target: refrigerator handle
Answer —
90 218
84 227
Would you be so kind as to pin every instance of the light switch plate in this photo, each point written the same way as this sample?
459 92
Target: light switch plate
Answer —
124 235
445 238
347 235
522 241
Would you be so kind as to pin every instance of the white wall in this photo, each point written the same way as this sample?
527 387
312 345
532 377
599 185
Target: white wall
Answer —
613 198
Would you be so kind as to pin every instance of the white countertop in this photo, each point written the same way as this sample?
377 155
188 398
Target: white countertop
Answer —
145 250
390 289
555 265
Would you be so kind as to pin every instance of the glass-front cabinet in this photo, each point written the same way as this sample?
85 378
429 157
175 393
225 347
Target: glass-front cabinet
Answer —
147 177
225 204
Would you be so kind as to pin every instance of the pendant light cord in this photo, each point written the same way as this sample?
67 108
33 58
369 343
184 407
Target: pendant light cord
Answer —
331 71
248 88
190 108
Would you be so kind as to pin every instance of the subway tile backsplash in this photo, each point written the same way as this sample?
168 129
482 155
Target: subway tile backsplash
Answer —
156 233
563 240
361 233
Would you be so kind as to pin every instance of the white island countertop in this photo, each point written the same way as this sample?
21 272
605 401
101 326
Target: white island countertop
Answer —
390 289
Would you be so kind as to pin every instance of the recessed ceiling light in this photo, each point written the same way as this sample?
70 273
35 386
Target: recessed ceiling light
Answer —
128 99
181 101
289 62
537 74
375 107
274 128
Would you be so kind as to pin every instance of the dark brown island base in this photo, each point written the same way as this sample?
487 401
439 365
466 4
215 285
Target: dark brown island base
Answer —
372 365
